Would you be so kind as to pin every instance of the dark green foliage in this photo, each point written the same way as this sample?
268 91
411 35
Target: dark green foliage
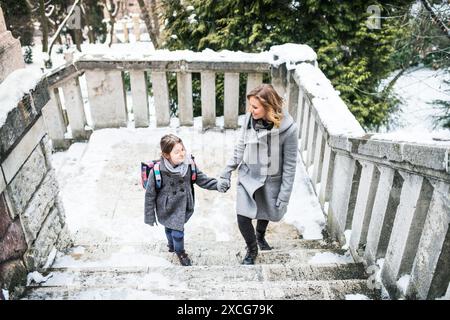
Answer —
28 55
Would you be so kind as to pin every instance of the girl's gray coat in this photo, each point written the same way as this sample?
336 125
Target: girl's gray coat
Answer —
267 161
174 201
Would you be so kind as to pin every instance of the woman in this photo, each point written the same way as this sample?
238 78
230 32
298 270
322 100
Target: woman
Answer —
266 154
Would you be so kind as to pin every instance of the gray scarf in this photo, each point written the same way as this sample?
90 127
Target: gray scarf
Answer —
180 169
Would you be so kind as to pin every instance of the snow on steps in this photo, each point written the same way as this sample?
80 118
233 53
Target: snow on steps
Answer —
283 273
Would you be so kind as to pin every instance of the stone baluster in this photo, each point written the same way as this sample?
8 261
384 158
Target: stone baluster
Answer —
384 209
140 98
305 128
326 179
370 176
75 108
184 89
54 120
106 98
161 96
318 158
430 275
407 229
345 179
136 28
231 100
292 95
208 96
312 135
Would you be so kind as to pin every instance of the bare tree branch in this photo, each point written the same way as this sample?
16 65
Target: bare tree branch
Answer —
436 19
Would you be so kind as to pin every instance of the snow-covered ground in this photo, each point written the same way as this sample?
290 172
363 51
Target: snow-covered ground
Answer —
415 120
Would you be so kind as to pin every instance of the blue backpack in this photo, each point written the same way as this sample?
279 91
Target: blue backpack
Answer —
147 167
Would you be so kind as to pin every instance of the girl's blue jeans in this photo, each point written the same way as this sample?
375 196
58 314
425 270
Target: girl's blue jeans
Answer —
175 239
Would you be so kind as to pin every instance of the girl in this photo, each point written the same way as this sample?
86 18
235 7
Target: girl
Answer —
173 200
266 154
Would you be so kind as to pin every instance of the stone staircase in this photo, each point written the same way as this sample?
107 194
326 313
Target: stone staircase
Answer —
108 271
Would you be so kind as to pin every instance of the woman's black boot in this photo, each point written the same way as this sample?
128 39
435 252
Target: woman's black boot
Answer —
252 253
262 243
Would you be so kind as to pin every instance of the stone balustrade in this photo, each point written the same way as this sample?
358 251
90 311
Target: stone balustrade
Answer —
392 195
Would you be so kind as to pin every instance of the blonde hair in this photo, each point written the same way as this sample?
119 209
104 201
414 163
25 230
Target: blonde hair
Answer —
167 143
271 102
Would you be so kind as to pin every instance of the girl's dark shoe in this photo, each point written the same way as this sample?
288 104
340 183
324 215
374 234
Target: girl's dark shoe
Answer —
171 249
252 253
262 243
184 259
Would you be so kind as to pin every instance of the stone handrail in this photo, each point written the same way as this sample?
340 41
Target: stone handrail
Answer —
107 101
387 200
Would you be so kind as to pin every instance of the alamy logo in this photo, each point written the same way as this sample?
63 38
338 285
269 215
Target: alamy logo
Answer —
374 20
74 21
263 148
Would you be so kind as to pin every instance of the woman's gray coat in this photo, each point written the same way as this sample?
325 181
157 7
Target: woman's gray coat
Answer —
174 201
267 160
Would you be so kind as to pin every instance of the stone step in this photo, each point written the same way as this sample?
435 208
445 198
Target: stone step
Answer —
244 290
201 275
201 253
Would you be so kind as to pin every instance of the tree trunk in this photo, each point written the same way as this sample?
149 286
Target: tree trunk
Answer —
155 19
87 19
148 22
44 25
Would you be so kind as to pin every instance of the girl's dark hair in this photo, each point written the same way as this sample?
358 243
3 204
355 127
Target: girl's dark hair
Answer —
167 143
270 100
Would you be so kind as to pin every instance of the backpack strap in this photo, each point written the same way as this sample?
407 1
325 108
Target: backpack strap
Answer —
193 169
157 173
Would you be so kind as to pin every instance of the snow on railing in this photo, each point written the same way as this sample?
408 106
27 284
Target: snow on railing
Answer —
391 196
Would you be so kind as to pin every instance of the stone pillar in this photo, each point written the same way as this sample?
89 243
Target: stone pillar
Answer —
318 158
311 140
430 273
208 95
161 95
231 100
125 31
344 176
406 231
385 205
305 127
136 28
370 176
184 89
292 95
278 75
75 108
140 98
326 178
106 98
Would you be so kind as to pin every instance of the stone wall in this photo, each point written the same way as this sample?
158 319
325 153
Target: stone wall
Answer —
32 222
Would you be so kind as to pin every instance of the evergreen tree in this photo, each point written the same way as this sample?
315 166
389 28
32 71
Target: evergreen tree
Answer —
28 55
